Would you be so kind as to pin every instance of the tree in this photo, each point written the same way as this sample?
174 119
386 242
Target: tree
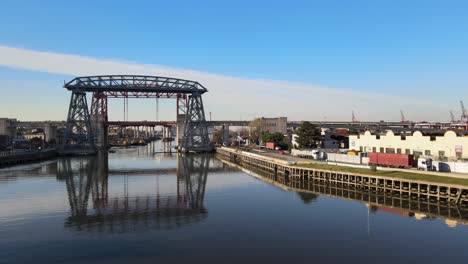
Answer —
218 136
243 132
276 137
256 127
308 135
36 142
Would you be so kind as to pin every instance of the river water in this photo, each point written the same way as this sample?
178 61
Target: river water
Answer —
140 206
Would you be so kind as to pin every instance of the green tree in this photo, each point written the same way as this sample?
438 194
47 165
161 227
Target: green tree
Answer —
276 137
308 135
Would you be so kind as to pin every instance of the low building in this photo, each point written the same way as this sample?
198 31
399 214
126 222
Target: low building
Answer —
35 133
448 146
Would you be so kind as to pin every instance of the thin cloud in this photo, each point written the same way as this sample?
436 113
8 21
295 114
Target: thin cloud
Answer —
233 97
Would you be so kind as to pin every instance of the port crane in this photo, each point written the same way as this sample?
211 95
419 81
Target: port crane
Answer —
464 114
353 117
452 117
403 119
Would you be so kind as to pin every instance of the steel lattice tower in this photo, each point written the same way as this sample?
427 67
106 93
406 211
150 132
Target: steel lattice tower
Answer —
195 127
78 133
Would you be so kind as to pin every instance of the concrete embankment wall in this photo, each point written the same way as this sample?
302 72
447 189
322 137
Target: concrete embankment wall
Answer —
26 157
403 197
413 189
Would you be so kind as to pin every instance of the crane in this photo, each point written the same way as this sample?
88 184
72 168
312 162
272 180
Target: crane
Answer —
464 114
353 117
403 119
452 117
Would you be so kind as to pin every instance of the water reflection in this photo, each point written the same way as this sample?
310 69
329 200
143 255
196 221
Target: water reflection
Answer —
307 198
87 181
398 204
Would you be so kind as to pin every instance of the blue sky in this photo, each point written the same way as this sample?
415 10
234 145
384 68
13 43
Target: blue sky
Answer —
410 49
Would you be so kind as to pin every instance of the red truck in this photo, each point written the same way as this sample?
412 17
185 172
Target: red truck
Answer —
270 145
391 160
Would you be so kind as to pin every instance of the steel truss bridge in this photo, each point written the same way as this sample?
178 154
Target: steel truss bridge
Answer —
87 130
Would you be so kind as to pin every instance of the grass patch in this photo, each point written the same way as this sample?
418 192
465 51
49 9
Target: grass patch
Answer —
391 174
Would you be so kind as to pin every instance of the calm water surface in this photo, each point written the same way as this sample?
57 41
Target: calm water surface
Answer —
135 206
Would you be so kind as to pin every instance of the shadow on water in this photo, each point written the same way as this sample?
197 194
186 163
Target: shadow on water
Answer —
87 180
395 203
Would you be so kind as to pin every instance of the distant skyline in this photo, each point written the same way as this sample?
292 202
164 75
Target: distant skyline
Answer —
304 59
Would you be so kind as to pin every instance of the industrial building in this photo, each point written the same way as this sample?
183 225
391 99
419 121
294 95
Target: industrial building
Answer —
7 131
276 124
444 147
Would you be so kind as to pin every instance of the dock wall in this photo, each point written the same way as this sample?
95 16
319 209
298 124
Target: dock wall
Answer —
414 189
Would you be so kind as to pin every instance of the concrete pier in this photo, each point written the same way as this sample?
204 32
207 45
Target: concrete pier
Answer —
413 189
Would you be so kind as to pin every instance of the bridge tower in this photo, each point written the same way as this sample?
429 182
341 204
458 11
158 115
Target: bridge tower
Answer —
78 132
195 126
99 119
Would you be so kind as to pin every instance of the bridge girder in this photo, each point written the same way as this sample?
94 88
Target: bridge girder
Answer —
140 86
118 84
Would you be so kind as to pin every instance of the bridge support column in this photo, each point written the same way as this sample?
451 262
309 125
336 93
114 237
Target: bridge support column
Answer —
180 128
195 127
225 133
99 119
78 133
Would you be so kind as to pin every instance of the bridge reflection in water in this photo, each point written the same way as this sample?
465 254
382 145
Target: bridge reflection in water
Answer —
400 203
87 181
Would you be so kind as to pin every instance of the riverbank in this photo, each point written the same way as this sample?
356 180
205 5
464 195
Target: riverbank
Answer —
23 157
388 173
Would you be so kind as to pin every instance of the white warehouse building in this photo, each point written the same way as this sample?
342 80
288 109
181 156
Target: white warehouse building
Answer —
449 146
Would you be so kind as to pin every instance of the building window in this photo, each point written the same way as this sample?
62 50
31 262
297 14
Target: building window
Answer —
427 152
408 151
377 136
442 156
382 150
360 148
403 137
374 149
398 150
390 150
